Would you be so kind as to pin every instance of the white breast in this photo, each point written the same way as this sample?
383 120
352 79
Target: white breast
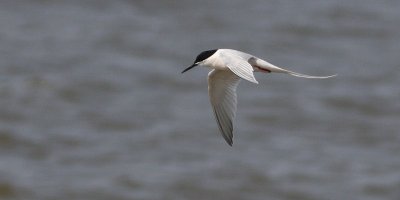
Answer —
216 61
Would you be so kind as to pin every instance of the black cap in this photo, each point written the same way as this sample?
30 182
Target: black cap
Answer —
202 56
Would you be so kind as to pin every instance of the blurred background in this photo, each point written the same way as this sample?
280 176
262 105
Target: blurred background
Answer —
93 104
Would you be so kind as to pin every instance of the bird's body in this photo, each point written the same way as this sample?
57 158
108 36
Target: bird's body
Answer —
228 68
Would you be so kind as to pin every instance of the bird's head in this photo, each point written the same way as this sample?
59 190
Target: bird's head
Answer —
203 56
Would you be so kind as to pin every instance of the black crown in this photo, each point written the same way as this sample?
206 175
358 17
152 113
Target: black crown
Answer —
204 55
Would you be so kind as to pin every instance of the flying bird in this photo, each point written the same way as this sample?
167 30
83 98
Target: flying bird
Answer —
228 67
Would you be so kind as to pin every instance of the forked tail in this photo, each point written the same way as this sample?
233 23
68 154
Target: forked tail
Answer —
307 76
272 68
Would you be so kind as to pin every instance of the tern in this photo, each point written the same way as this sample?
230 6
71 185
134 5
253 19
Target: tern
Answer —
228 67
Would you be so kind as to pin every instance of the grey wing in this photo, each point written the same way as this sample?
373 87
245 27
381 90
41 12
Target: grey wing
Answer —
222 91
239 65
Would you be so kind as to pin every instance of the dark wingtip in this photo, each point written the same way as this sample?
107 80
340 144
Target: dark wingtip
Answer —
230 142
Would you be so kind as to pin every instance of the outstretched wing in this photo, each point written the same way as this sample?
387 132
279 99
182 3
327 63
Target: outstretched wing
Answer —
239 66
222 86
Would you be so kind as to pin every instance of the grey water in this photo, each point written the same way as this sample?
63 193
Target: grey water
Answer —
93 104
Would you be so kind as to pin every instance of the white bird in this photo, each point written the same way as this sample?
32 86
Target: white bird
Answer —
228 67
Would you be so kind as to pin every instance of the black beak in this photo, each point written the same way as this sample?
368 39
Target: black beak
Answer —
191 66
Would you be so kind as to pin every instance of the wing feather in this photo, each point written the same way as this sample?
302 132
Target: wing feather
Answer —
222 91
239 66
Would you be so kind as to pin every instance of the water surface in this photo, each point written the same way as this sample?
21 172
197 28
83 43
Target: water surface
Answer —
93 105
